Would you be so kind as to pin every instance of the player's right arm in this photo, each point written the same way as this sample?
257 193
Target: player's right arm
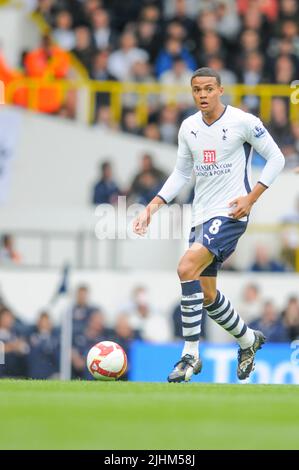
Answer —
172 186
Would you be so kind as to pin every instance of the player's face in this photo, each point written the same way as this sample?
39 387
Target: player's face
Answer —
206 93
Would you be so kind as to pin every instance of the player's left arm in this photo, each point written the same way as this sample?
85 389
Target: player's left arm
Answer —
263 143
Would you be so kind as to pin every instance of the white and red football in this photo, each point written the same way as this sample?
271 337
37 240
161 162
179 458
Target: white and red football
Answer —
107 361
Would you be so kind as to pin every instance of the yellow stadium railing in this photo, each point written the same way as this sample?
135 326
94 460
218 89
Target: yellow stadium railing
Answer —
144 90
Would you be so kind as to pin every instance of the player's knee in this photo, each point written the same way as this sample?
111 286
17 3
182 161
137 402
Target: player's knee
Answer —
185 271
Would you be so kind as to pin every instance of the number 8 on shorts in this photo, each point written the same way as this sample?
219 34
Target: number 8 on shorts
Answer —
215 226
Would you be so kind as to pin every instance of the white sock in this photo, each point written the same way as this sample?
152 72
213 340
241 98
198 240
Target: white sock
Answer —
191 347
247 339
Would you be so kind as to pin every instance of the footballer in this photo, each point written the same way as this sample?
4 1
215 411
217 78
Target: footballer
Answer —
217 144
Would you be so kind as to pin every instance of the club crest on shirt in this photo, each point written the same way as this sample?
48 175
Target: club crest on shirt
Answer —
259 131
209 156
224 136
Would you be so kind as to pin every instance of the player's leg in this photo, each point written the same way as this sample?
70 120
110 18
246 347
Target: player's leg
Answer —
221 235
221 310
194 261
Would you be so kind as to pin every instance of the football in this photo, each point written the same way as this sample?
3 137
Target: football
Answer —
107 361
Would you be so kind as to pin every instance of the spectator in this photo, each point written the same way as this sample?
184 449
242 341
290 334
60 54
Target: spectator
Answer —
211 45
103 35
106 190
177 31
252 74
130 123
263 262
76 10
250 41
140 73
254 19
269 8
284 70
147 166
43 358
123 12
251 303
46 9
8 253
178 75
63 33
290 318
289 9
228 21
151 11
123 333
144 319
150 187
290 32
173 49
279 124
149 38
15 347
105 120
47 61
89 7
84 48
169 124
100 73
182 16
151 131
121 61
82 309
227 76
206 21
269 323
100 70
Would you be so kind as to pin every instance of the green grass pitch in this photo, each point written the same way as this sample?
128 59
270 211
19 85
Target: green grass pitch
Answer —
120 415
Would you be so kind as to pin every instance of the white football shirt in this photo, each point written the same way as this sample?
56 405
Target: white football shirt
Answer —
220 156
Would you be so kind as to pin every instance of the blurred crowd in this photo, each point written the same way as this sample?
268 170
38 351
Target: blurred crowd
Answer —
33 351
142 41
145 184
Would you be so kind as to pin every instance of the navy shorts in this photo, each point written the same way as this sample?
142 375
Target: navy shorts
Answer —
220 236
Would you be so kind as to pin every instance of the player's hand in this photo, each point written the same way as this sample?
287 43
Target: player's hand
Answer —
241 206
141 223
